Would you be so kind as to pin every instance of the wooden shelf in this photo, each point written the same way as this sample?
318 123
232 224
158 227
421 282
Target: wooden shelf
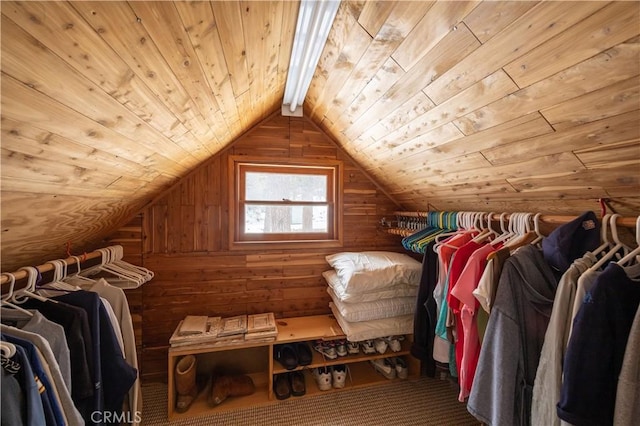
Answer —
256 360
201 405
320 360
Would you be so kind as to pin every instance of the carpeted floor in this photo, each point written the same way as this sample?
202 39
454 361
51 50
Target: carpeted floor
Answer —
421 401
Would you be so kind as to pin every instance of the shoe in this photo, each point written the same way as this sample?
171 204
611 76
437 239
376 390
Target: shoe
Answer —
384 367
286 355
394 343
296 383
282 386
303 353
353 348
339 376
380 345
230 385
185 378
327 349
402 371
323 378
367 347
341 348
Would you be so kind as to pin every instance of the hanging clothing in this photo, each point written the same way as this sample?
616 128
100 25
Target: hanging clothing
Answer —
443 342
115 376
49 330
118 301
458 264
487 287
13 408
469 343
75 322
502 388
54 375
53 414
627 409
424 322
548 381
32 412
596 349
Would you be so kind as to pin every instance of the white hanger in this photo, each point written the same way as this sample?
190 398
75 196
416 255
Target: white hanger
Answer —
127 275
536 228
29 291
7 349
59 274
614 250
635 252
604 236
6 298
77 279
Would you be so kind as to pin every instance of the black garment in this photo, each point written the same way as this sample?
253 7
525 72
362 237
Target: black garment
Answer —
596 349
426 317
116 376
75 322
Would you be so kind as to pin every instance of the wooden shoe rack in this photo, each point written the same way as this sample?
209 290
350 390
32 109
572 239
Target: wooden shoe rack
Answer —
256 360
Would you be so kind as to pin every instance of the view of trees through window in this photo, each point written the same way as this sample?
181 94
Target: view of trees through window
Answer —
285 203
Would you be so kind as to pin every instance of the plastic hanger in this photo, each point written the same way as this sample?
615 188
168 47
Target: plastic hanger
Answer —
604 236
631 256
615 249
59 274
126 274
29 291
536 228
7 349
6 298
77 279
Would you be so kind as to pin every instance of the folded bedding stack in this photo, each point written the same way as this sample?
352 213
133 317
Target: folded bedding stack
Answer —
373 293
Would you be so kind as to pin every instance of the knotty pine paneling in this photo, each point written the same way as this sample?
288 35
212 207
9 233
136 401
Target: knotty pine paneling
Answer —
186 242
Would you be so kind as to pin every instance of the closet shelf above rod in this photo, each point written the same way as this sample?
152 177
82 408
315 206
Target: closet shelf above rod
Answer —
628 222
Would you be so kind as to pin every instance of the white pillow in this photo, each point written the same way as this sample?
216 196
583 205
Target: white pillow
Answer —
378 309
369 270
336 285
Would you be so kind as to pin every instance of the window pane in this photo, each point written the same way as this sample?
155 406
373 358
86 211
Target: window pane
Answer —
261 219
261 186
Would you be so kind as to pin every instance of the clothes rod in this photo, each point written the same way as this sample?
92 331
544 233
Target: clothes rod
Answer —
628 222
46 267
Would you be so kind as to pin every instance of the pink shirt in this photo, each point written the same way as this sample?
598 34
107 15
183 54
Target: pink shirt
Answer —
463 292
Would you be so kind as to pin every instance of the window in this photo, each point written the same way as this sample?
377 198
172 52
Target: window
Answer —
285 202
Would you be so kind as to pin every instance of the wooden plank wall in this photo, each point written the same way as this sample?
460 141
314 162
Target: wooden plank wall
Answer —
186 243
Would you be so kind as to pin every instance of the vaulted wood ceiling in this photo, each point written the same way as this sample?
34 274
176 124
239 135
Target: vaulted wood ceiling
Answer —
477 105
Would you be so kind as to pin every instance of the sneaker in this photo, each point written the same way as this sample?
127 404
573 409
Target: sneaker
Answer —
402 371
323 378
327 349
367 347
341 348
339 375
353 348
380 345
384 367
394 343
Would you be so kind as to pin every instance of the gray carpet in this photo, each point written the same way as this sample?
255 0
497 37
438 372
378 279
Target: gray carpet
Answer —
423 401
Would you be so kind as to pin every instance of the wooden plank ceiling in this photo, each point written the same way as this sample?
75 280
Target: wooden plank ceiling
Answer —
476 105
